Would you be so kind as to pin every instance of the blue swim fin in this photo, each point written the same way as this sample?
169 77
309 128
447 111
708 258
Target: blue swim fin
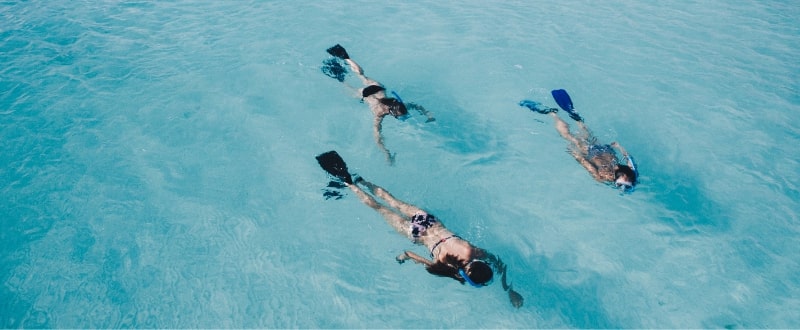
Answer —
565 102
536 107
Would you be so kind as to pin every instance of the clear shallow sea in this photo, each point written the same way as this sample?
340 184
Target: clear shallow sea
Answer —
158 163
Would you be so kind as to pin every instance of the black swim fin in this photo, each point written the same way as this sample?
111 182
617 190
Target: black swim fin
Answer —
338 51
332 68
332 163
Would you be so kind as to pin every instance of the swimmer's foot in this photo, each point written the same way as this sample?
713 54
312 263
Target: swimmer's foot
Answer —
401 258
536 107
575 116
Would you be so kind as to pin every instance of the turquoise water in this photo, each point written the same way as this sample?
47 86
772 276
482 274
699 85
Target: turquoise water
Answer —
158 163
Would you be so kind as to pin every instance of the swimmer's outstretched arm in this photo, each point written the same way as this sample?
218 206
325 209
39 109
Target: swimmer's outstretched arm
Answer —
377 133
422 111
620 148
413 256
514 296
587 165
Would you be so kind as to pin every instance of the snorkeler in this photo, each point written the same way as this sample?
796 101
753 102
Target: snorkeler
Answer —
599 159
451 255
374 94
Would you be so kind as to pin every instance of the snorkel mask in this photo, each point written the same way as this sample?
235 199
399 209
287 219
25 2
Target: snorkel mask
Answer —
463 273
397 109
620 181
623 185
466 278
402 117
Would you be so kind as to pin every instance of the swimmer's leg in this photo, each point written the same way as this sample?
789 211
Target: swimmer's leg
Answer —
586 134
563 129
360 73
398 222
355 67
407 209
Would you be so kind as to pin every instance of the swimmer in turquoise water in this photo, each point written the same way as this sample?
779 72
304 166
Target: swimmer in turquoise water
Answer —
600 160
450 255
374 94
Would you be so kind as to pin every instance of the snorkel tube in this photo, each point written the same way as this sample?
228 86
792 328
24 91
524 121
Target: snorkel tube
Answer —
405 116
625 188
397 97
632 165
466 278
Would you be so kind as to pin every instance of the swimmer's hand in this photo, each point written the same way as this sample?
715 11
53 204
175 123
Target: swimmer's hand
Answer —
621 149
401 258
413 256
515 297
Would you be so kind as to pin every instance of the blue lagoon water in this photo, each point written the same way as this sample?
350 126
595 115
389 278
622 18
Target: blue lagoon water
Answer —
158 163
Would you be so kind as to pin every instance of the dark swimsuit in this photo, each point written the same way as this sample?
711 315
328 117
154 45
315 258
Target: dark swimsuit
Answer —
597 150
371 89
420 222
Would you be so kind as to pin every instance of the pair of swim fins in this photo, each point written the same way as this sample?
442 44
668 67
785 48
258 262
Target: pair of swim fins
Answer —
563 100
330 161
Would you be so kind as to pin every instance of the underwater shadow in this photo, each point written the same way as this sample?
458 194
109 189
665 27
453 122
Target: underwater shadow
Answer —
464 135
576 305
689 209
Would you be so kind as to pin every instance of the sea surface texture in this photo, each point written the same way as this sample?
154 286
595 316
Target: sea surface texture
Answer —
157 163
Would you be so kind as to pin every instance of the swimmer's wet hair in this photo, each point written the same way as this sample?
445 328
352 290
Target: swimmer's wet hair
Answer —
396 108
627 171
479 272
